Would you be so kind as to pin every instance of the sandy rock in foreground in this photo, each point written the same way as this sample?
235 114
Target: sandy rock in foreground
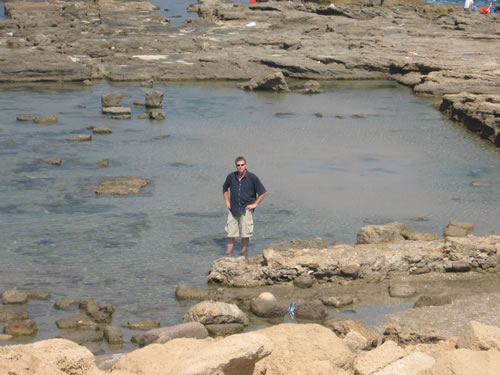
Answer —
233 355
466 362
305 349
48 357
478 336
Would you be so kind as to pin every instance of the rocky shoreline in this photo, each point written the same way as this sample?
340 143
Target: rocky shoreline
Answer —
436 50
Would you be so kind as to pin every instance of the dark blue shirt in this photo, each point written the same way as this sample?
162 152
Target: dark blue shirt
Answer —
244 192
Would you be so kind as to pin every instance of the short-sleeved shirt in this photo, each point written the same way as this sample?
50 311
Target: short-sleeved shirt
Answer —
244 192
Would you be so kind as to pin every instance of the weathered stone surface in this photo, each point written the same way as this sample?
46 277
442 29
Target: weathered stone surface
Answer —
20 328
315 243
154 99
54 356
75 321
142 324
412 364
184 330
121 185
26 117
103 163
478 336
112 100
368 363
113 335
295 352
311 310
408 335
45 120
303 281
458 229
102 130
117 111
14 296
434 300
80 138
270 82
392 232
401 290
337 301
65 303
355 341
56 162
83 337
210 312
465 362
157 115
222 330
266 305
99 312
8 313
342 328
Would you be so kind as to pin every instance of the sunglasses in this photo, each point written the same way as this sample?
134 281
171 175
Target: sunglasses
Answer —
240 165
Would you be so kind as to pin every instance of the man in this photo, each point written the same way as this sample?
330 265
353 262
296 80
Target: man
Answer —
246 193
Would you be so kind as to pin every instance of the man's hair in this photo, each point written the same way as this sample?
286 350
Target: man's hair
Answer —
240 158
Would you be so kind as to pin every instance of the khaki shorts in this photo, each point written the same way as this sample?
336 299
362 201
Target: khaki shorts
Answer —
240 225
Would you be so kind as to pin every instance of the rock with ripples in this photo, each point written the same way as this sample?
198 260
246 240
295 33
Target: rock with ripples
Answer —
14 296
121 185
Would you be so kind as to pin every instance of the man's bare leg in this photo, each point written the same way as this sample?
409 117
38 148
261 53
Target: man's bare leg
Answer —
244 245
230 245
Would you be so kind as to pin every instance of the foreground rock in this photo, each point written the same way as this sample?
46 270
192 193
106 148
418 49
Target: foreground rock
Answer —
121 186
210 312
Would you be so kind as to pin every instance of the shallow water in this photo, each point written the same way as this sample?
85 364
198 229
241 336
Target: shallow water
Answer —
359 153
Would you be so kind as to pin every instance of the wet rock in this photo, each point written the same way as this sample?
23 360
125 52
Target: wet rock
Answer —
5 337
83 337
20 328
121 185
8 313
375 360
303 281
100 130
342 327
113 335
350 270
209 312
270 82
88 82
143 116
143 325
45 120
26 117
411 364
139 103
479 336
266 305
311 310
103 163
337 301
436 300
408 335
222 330
183 291
37 294
401 290
80 138
458 229
422 237
99 312
459 266
65 303
112 100
154 99
316 243
14 296
184 330
392 232
75 321
56 162
118 112
157 115
147 84
137 339
311 87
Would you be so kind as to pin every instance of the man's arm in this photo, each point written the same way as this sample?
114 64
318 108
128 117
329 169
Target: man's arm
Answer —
257 202
226 198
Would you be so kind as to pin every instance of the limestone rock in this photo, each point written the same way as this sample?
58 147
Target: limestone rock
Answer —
142 324
103 163
75 321
154 99
45 120
465 362
113 335
479 336
226 329
355 341
392 232
401 290
342 328
337 301
270 82
368 363
312 310
99 312
26 117
315 243
412 364
303 281
102 130
157 114
434 300
121 185
266 305
183 291
126 112
407 335
458 229
83 337
184 330
210 312
66 302
20 328
10 312
112 100
14 296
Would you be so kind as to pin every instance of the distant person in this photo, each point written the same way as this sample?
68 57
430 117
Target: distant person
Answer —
469 6
242 191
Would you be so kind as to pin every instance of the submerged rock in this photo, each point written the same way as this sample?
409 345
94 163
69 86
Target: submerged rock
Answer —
270 82
121 185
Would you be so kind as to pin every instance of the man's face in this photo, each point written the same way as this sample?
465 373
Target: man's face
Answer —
241 166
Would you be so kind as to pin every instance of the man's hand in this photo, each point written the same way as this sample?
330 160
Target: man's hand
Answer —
251 206
228 205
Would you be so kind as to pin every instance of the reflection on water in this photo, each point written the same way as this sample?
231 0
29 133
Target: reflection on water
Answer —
376 154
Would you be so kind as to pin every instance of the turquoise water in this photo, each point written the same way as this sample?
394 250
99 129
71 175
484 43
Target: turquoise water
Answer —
359 153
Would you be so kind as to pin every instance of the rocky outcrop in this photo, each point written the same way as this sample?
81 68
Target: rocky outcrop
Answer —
371 261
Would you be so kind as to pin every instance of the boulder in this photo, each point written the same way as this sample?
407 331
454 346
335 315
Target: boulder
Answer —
311 310
368 363
235 354
337 301
391 232
303 281
458 229
10 312
14 296
20 328
210 312
266 305
99 312
270 82
305 349
311 87
75 321
222 330
37 294
154 99
479 336
412 364
113 335
121 185
355 341
126 112
65 303
465 362
143 325
112 100
184 330
435 300
53 356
